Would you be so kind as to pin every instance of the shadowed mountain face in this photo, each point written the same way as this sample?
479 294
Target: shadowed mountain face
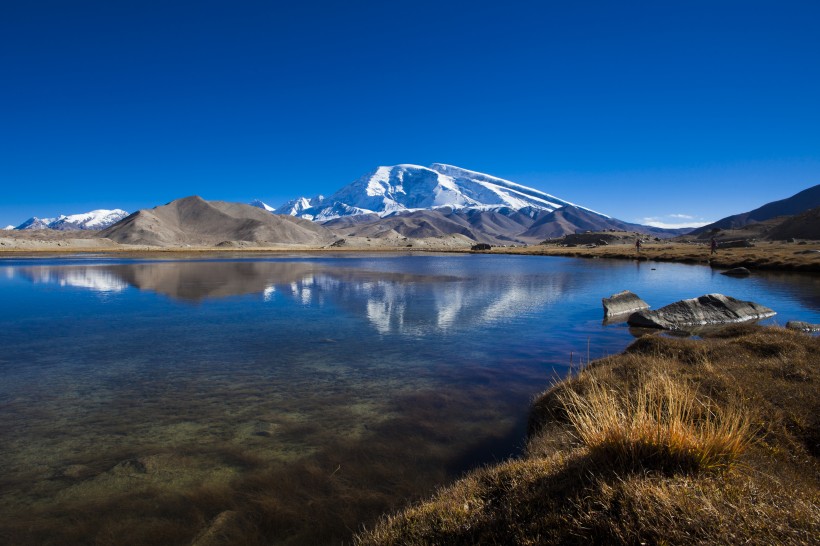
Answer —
193 220
796 204
502 226
569 219
801 226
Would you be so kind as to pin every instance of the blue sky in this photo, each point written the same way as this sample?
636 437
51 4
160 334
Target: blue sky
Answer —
678 111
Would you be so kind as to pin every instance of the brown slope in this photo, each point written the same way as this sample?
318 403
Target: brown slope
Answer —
419 224
802 226
194 221
503 225
571 219
796 204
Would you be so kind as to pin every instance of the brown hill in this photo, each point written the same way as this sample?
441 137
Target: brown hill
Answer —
496 227
801 226
796 204
416 224
194 221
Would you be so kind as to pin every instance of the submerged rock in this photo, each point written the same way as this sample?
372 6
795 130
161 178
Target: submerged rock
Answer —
708 309
802 326
622 303
737 272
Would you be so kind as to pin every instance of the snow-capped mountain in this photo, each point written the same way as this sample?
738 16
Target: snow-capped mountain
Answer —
387 190
38 223
96 219
297 207
8 228
262 205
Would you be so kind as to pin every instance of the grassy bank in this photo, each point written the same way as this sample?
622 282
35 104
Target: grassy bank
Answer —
675 441
769 256
772 256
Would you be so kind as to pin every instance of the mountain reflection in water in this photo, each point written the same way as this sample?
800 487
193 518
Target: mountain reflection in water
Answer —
392 302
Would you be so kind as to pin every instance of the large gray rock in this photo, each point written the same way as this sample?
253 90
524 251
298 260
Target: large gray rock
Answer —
708 309
622 303
802 326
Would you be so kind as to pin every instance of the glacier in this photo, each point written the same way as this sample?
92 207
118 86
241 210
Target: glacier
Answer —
406 187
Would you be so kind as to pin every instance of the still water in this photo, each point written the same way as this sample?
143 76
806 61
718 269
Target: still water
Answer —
290 399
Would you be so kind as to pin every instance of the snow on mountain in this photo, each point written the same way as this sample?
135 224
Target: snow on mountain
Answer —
387 190
8 228
262 205
38 223
297 207
96 219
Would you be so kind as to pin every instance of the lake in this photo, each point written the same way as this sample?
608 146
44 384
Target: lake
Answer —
290 399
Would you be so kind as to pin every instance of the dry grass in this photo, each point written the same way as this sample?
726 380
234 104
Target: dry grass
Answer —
658 423
773 256
676 441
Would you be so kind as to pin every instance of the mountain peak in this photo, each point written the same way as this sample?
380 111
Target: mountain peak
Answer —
407 187
262 205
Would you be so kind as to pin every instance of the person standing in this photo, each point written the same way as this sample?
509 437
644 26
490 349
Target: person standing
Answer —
638 245
713 246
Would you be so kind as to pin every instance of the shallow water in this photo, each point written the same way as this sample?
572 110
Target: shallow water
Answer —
304 394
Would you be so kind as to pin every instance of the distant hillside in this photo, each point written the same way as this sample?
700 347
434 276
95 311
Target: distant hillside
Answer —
417 225
500 226
796 204
801 226
193 220
568 220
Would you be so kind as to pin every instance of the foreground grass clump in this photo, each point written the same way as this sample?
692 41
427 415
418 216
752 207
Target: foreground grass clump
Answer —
711 441
659 423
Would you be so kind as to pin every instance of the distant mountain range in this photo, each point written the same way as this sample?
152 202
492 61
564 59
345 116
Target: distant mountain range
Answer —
96 219
406 201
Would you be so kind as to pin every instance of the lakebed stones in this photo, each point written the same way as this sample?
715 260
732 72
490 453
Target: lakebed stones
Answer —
705 310
622 303
737 272
801 326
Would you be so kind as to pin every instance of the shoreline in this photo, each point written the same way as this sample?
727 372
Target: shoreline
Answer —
764 256
589 474
799 257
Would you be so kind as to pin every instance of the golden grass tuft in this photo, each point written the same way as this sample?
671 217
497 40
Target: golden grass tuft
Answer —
660 423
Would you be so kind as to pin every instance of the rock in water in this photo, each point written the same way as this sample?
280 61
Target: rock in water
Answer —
708 309
737 272
622 303
802 326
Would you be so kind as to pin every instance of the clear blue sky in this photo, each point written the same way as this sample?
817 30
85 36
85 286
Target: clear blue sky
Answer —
636 109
